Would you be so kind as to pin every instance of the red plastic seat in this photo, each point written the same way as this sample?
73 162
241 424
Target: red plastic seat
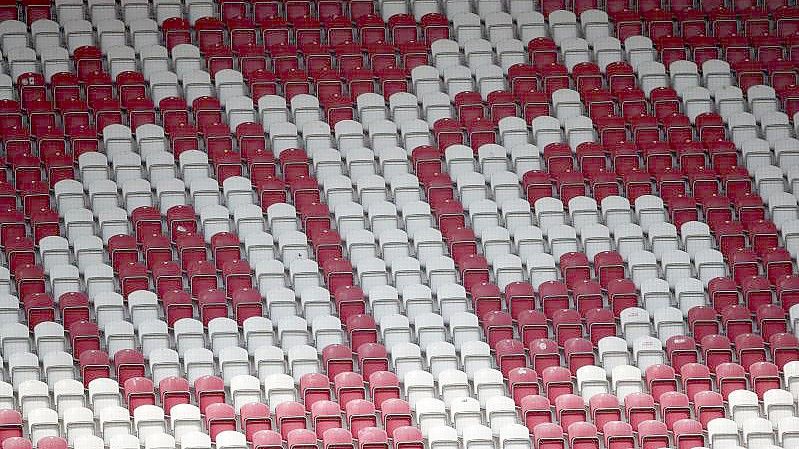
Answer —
94 364
267 439
128 364
314 387
695 378
383 385
688 434
673 408
784 348
567 324
544 354
535 410
138 391
209 390
583 435
557 381
10 427
173 391
497 326
523 382
640 408
708 405
349 386
301 439
177 304
325 415
255 417
553 296
532 325
600 323
395 413
604 409
716 349
548 436
578 352
219 417
736 320
660 379
622 294
510 354
290 417
74 307
360 414
51 442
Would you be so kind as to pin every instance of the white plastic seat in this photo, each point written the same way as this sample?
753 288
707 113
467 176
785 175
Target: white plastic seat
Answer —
326 331
99 280
272 109
579 130
304 273
595 24
648 351
229 84
43 423
762 99
34 394
153 336
118 336
164 363
655 294
21 60
23 367
283 136
575 51
683 75
625 380
606 50
451 299
778 405
612 352
716 74
104 394
563 25
529 24
108 306
185 421
709 265
758 433
55 59
189 334
689 293
566 104
452 386
525 157
547 130
472 189
729 101
591 380
475 356
406 358
316 135
198 362
233 362
510 52
488 383
457 79
635 324
490 78
431 416
639 50
676 265
79 422
315 302
68 394
440 357
651 75
418 385
695 237
649 209
467 26
696 101
775 127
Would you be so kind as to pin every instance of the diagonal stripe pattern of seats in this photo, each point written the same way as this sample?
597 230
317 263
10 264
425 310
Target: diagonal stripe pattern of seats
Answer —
399 224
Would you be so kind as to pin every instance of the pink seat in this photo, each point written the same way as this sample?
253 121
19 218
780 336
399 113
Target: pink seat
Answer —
10 427
396 413
536 410
255 417
290 417
209 390
583 435
604 409
360 414
383 385
174 391
325 415
314 387
267 439
337 438
219 418
708 405
661 379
